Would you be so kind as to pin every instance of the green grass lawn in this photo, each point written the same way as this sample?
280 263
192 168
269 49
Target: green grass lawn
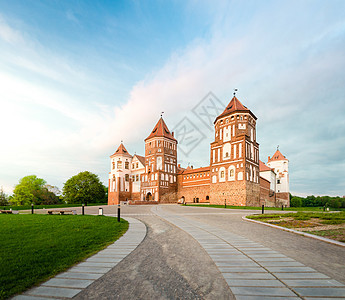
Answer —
266 208
36 247
24 207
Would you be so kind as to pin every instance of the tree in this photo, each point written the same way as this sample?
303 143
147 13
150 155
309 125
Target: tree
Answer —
296 202
32 189
3 198
24 192
84 188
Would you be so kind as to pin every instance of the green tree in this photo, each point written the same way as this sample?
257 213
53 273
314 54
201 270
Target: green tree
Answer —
296 202
84 188
3 198
27 190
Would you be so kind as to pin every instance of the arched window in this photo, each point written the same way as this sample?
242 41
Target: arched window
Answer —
221 174
126 165
226 151
231 173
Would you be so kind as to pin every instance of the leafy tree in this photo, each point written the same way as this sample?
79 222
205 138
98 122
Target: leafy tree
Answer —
24 192
84 188
3 198
32 189
296 202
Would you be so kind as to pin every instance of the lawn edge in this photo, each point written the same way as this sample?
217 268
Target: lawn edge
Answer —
297 232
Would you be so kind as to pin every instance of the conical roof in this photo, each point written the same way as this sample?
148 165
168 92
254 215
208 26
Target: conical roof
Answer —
121 150
234 105
161 130
277 156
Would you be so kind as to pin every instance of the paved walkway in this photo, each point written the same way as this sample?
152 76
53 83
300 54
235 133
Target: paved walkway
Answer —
253 271
73 281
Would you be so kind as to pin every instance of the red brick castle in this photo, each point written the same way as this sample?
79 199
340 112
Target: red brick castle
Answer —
235 174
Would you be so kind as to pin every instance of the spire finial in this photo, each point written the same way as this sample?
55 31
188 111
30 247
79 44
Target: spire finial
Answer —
162 114
121 141
235 90
278 148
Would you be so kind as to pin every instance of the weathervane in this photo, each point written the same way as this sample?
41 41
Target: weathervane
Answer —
162 114
121 141
277 147
235 90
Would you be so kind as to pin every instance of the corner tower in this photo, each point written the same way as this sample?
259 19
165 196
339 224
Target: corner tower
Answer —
234 164
280 164
119 188
159 180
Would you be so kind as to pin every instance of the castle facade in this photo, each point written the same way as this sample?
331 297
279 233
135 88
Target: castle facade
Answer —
235 175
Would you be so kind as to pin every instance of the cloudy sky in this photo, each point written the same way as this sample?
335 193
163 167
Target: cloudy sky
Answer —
77 77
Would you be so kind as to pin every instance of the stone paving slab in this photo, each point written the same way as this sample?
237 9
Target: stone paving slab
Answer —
271 275
54 292
68 284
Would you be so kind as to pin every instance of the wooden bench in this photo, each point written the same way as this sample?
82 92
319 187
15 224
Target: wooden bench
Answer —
61 211
6 211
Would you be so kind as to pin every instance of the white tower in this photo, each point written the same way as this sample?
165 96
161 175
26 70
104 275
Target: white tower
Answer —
280 164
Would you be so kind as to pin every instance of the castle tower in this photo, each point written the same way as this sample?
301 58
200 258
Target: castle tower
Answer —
234 164
280 164
119 188
159 180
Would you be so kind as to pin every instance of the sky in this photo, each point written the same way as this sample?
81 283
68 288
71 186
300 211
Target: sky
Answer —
79 77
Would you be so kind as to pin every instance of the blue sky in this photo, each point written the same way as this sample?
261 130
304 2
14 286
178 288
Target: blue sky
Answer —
77 77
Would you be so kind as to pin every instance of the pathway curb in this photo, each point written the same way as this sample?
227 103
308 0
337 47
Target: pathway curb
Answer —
297 232
68 284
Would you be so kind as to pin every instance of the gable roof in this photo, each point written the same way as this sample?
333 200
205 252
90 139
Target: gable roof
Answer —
277 156
140 158
121 150
161 130
263 167
234 105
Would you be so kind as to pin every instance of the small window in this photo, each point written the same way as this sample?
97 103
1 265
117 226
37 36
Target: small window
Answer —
137 165
126 165
222 174
127 177
132 166
113 165
119 164
278 181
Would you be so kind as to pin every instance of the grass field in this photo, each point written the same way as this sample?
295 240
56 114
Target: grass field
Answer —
327 224
266 208
36 247
25 207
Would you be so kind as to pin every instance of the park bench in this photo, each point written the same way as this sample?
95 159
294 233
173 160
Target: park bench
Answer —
61 211
6 211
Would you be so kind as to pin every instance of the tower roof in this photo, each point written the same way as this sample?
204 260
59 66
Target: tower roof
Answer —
121 150
234 105
161 130
277 156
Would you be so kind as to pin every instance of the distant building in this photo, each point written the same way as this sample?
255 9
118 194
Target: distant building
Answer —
235 174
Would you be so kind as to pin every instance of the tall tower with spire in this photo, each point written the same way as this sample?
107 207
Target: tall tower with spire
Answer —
159 182
234 161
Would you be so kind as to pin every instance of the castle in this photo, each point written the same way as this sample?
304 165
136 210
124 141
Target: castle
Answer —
235 174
